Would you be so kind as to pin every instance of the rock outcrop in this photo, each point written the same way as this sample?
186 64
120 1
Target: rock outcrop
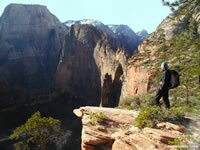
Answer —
171 26
96 41
118 35
30 43
108 128
137 81
41 57
99 25
87 57
156 48
127 36
142 35
112 37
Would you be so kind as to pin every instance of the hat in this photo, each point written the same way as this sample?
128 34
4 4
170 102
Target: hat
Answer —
164 64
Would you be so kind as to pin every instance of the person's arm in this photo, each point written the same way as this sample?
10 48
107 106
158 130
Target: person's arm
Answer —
166 80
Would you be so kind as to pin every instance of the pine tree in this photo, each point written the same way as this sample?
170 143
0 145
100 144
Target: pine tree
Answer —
36 132
180 3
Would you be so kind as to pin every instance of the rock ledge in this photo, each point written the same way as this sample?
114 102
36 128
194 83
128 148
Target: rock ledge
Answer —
113 129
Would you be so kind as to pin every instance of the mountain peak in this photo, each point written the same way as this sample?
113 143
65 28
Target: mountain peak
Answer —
19 4
120 28
93 22
142 34
143 31
20 7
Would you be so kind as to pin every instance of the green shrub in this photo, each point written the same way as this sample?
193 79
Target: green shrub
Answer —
181 105
131 103
183 140
152 115
38 131
136 102
97 118
175 114
149 117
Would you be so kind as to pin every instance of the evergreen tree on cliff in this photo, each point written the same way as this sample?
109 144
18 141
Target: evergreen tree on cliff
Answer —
179 3
37 132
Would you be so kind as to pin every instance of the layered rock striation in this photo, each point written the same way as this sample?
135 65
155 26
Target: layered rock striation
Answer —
114 129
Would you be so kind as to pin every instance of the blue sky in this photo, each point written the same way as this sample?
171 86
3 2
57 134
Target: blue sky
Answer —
138 14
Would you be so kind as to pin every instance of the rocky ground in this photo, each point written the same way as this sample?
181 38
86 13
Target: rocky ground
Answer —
108 128
193 129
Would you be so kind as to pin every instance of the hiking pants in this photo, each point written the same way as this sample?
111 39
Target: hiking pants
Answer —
165 95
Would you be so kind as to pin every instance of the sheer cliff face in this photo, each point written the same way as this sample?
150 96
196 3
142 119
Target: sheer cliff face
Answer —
118 35
86 58
30 42
91 70
40 57
137 81
77 72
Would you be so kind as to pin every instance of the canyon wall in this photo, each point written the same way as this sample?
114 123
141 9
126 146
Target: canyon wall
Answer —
30 43
41 58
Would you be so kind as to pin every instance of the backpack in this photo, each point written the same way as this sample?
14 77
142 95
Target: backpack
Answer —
175 80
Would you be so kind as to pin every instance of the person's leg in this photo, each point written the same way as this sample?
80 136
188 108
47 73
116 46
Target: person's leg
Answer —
156 100
166 98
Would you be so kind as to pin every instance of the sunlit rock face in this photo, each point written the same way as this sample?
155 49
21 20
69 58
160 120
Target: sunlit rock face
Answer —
42 60
41 57
87 57
115 129
118 35
137 81
171 26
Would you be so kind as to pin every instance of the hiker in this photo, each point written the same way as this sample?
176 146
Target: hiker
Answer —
163 90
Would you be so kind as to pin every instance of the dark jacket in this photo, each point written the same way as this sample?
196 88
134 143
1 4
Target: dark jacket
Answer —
165 80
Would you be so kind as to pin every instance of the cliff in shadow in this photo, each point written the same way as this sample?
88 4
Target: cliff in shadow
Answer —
30 43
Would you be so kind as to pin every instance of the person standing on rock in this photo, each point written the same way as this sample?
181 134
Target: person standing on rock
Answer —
165 84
